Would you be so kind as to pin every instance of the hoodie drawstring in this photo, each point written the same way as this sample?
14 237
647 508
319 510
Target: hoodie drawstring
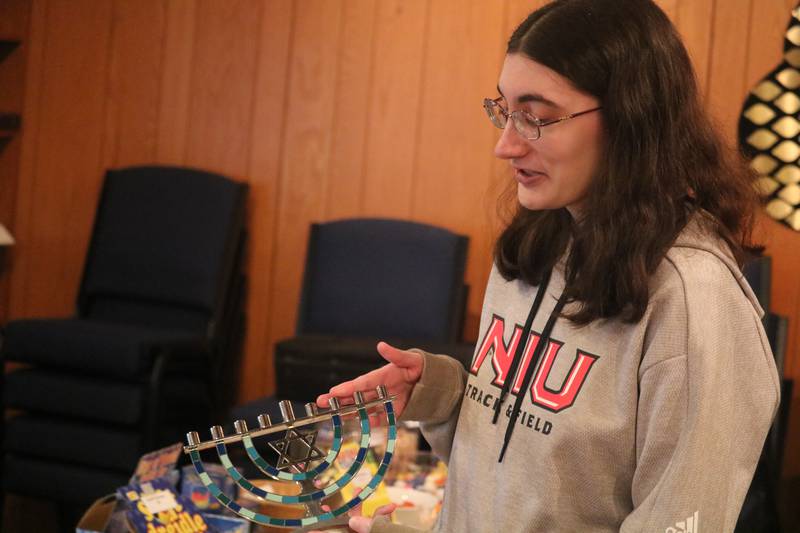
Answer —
544 340
521 344
537 353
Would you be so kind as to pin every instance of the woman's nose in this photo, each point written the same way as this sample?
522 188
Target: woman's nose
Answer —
511 145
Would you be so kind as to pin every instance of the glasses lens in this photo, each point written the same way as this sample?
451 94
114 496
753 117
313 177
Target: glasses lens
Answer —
495 113
527 125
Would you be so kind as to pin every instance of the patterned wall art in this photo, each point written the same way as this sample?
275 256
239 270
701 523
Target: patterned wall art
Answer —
769 128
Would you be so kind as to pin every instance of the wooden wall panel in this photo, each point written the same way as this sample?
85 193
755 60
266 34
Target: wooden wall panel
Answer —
18 270
134 82
69 136
175 79
767 25
394 107
351 110
695 22
221 87
14 19
14 22
329 109
728 62
306 152
269 122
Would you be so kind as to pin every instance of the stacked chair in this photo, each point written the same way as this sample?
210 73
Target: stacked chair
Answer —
153 346
760 508
367 280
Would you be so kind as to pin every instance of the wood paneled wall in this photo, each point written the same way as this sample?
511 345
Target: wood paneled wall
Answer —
328 108
14 22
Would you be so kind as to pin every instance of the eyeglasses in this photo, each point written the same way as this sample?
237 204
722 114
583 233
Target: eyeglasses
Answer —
526 124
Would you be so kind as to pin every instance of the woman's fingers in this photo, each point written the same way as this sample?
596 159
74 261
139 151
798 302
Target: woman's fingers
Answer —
362 524
401 358
410 362
386 375
385 509
367 382
399 376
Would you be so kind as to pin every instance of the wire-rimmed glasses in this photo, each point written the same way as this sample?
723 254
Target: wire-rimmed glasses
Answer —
529 126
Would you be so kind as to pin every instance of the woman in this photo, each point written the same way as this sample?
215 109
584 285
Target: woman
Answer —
622 380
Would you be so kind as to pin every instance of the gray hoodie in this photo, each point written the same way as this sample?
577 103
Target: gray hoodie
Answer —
655 426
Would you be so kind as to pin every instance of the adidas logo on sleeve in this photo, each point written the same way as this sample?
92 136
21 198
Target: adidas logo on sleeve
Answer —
690 525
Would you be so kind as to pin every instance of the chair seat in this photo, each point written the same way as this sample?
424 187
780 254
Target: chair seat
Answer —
90 346
45 438
307 365
90 398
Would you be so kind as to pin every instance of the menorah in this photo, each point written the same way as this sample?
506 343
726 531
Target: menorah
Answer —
297 450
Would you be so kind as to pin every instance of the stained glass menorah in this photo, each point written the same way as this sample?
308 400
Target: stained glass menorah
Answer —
297 451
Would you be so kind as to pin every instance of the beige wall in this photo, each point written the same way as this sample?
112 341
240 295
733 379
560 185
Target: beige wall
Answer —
328 108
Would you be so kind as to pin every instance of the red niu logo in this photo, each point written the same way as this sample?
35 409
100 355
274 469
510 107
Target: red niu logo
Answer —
541 395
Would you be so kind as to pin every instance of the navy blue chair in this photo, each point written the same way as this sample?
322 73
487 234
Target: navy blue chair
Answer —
367 280
159 318
391 278
758 273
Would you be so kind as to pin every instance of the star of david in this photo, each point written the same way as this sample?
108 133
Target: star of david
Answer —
296 450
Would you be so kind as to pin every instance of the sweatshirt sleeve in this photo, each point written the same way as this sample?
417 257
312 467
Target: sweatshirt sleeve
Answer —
708 391
436 401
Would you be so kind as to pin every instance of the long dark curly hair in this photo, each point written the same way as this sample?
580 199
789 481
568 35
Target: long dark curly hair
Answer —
663 159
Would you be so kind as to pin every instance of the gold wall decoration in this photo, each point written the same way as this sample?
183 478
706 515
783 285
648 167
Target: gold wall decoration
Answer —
788 127
762 139
767 91
764 165
788 175
787 151
769 130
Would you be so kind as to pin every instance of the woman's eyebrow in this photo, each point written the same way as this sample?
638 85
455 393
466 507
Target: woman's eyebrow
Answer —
531 97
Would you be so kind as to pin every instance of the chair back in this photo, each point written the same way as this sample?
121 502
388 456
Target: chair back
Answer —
383 278
163 248
758 273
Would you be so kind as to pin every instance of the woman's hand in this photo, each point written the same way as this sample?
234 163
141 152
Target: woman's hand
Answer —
362 524
399 377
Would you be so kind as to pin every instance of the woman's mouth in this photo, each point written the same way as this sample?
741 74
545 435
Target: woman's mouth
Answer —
528 177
